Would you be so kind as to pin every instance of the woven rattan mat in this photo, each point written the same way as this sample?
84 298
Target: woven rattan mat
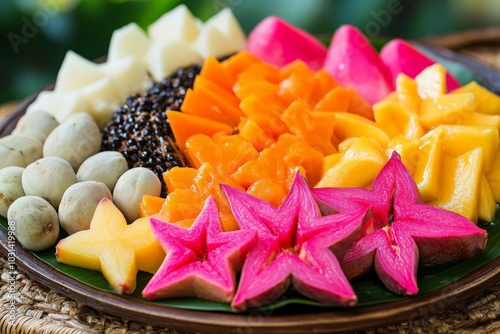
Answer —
41 310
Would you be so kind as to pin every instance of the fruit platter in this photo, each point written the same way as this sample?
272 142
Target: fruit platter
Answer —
201 179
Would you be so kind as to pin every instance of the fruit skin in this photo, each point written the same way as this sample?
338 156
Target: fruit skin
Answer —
19 151
131 187
78 204
48 178
295 245
38 125
201 261
279 43
74 140
35 222
402 231
111 246
105 167
11 187
401 57
353 61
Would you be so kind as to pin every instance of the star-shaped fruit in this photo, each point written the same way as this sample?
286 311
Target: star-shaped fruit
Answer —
402 230
201 260
111 246
295 245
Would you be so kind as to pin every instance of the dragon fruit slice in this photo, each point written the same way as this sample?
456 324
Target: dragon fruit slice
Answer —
201 261
402 230
354 62
401 57
295 245
279 43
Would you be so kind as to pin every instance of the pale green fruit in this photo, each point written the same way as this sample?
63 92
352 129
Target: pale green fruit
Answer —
105 167
74 140
79 203
131 187
35 222
48 178
11 187
19 151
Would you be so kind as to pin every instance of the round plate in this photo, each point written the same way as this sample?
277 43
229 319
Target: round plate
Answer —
329 321
316 320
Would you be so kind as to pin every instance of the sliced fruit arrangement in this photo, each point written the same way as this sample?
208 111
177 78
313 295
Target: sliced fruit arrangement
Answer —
401 57
448 141
111 246
402 230
140 130
176 39
295 246
276 131
389 141
201 261
292 117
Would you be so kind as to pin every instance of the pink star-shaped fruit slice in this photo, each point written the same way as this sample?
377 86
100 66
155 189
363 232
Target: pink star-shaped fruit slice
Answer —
201 261
402 230
295 245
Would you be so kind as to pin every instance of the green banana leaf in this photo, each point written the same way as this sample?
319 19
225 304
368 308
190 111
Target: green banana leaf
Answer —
369 289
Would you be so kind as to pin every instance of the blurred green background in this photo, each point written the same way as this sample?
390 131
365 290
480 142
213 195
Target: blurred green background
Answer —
37 33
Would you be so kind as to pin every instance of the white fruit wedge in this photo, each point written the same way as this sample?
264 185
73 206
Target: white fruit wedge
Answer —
221 35
130 40
76 72
128 73
59 104
179 24
162 59
102 97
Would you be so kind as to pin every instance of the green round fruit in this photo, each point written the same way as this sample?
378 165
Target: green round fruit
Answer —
35 222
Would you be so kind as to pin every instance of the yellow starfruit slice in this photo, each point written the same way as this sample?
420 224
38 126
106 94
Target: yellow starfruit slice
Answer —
111 246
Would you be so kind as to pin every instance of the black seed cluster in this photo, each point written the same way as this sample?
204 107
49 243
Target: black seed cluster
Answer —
140 129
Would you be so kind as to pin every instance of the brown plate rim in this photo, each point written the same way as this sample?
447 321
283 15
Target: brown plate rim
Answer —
328 321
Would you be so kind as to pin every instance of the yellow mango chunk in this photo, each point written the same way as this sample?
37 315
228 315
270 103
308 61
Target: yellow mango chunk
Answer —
487 204
488 102
394 119
431 82
349 125
408 149
358 166
458 139
407 92
460 184
429 166
330 161
447 109
111 246
479 119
